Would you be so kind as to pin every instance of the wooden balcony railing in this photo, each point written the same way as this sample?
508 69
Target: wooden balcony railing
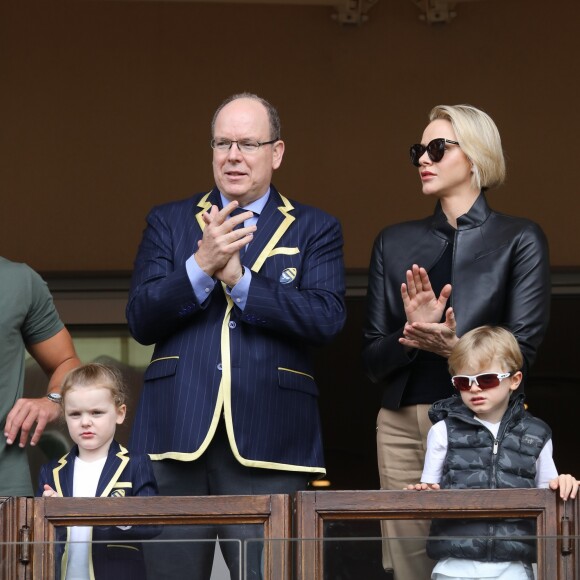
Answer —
557 547
294 533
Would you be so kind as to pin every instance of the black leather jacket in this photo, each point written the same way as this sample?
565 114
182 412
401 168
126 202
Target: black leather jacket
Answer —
500 276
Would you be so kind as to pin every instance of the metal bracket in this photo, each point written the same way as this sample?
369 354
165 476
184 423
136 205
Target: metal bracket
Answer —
438 11
566 546
353 11
24 538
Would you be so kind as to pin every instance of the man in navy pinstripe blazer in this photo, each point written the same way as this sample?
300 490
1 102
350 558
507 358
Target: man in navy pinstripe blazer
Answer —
233 301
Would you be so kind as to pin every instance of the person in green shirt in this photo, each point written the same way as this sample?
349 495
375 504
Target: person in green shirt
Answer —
28 320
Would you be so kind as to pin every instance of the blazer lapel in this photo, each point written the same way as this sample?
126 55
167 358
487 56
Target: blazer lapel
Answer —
63 473
204 204
273 222
117 460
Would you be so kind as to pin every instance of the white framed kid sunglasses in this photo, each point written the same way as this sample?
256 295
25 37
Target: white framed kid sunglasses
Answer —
483 380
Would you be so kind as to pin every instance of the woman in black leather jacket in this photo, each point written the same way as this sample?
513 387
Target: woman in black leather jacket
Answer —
432 280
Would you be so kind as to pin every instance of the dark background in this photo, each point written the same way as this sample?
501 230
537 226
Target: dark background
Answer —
105 110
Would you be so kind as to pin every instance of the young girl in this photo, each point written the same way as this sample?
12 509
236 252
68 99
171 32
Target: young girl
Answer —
484 438
93 400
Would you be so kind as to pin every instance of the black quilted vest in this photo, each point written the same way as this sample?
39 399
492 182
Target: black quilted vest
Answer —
475 460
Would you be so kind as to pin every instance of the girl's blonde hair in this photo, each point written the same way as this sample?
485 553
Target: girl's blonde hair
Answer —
96 375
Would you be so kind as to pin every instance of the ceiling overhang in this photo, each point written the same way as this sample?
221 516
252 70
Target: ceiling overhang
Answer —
345 11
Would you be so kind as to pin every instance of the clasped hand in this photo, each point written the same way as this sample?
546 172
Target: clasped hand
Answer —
218 253
423 329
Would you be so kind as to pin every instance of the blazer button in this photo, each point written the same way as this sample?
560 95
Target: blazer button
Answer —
232 324
219 366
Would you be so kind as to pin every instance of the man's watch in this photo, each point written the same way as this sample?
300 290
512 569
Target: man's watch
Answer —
54 397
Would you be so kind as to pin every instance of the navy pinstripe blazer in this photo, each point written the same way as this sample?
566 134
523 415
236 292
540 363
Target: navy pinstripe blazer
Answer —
254 366
123 475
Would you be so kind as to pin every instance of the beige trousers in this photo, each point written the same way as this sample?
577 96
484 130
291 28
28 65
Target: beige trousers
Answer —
401 446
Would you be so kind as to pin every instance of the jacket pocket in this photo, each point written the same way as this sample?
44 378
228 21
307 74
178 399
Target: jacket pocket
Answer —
161 367
297 381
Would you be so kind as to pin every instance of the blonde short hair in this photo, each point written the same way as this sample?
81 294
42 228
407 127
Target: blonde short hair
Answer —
479 139
96 375
478 347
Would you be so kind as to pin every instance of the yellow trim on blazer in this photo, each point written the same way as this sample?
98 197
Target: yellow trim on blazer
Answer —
162 358
65 555
124 546
91 565
270 246
284 251
180 456
205 206
64 559
122 455
296 372
125 484
56 476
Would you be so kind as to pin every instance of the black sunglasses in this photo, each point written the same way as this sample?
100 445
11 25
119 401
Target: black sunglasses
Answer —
435 149
483 381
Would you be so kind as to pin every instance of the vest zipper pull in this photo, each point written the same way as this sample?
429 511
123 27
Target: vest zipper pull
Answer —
495 446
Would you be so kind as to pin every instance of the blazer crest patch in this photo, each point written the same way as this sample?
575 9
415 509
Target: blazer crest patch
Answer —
287 275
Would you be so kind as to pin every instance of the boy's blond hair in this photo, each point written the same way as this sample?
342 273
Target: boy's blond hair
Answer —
96 375
478 347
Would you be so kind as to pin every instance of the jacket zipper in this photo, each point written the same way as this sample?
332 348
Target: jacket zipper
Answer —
494 458
493 484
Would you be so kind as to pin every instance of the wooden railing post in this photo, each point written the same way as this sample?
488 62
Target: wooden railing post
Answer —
568 542
16 529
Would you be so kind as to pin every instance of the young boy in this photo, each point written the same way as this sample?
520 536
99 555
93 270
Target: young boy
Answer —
93 399
485 439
